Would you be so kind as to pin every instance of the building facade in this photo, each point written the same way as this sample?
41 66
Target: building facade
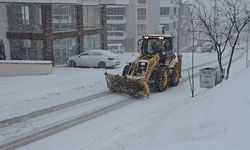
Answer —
51 30
169 15
117 26
143 17
169 11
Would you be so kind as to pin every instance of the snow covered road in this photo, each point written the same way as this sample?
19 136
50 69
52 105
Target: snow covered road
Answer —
107 99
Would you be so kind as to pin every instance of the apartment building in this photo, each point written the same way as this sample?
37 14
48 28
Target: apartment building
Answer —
117 27
143 17
169 15
169 10
51 29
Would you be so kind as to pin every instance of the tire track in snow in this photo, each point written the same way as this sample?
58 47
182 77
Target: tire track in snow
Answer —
60 126
10 121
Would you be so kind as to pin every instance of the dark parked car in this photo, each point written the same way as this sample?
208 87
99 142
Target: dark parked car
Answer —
207 47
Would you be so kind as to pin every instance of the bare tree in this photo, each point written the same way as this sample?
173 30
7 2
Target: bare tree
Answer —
223 27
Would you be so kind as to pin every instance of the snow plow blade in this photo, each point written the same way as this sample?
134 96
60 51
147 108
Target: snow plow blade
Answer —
137 87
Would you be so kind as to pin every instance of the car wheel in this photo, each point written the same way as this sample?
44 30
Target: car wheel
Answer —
72 63
101 64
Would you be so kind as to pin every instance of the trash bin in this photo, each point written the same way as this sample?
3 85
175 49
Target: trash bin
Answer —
209 77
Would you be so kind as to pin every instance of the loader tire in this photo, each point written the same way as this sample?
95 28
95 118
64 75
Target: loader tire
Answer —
162 80
175 76
126 70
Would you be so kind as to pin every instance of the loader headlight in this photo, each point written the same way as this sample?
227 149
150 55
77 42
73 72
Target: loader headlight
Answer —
146 37
161 37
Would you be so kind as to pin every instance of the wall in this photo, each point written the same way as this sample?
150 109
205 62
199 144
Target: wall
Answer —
153 15
4 29
17 68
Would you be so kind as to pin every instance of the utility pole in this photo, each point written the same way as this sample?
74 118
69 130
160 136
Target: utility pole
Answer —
178 33
215 19
179 27
191 78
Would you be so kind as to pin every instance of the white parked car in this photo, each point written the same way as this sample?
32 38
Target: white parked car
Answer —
94 58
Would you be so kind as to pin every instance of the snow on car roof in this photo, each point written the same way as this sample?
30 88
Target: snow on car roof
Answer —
103 51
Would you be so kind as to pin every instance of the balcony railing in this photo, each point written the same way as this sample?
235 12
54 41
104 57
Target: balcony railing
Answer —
116 17
116 35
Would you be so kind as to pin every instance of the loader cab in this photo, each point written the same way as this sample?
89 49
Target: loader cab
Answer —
157 44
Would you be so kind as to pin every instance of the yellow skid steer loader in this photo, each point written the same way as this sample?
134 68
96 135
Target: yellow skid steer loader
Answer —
156 68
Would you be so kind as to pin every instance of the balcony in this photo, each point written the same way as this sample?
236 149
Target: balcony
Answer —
116 19
116 35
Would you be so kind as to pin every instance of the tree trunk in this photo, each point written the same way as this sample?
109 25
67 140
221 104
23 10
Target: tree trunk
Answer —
221 67
219 57
229 64
231 56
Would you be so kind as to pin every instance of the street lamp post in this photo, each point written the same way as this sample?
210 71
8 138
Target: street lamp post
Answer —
247 46
191 15
192 24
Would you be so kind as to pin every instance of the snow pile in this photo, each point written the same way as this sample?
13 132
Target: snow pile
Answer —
215 120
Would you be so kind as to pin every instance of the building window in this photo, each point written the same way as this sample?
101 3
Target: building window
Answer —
91 19
26 49
91 16
115 33
164 11
116 27
141 1
64 18
97 16
141 14
40 15
116 11
175 11
26 43
25 15
92 41
115 17
141 29
174 24
64 48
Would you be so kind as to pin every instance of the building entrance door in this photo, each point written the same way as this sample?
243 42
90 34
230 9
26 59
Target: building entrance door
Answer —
64 48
